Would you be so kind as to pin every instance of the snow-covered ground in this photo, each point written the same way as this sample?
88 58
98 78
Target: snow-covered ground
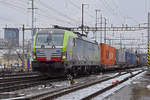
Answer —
77 95
112 91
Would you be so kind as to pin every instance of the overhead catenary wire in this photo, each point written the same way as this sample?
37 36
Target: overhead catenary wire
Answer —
18 2
58 12
13 5
106 7
109 7
15 8
86 12
114 12
119 12
79 8
47 16
21 9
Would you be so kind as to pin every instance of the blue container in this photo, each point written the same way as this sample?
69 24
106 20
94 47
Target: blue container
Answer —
133 57
128 58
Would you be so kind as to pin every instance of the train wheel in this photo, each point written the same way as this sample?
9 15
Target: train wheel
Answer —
74 72
86 71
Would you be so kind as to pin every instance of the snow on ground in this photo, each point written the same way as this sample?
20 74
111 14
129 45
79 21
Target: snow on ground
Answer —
148 86
77 95
112 91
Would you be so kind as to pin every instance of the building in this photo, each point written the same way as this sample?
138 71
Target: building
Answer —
12 35
3 44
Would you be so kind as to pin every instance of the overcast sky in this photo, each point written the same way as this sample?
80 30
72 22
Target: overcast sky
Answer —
68 12
14 13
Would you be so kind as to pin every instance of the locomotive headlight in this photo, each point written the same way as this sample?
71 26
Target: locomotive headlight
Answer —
34 57
63 57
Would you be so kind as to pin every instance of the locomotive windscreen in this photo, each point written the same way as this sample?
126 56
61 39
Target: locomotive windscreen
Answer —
50 39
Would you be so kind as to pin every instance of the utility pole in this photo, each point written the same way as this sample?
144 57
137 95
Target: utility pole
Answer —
33 21
32 18
82 25
105 31
23 64
101 34
96 24
32 8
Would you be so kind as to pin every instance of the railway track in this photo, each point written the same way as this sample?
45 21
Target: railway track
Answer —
21 84
49 95
4 75
12 82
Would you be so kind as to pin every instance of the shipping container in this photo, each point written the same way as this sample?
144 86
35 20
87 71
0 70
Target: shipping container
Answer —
134 59
128 58
107 54
120 56
143 59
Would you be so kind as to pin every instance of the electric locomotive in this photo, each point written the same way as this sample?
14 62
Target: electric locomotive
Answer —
58 52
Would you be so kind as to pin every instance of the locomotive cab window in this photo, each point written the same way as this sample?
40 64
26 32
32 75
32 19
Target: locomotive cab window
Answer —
50 39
